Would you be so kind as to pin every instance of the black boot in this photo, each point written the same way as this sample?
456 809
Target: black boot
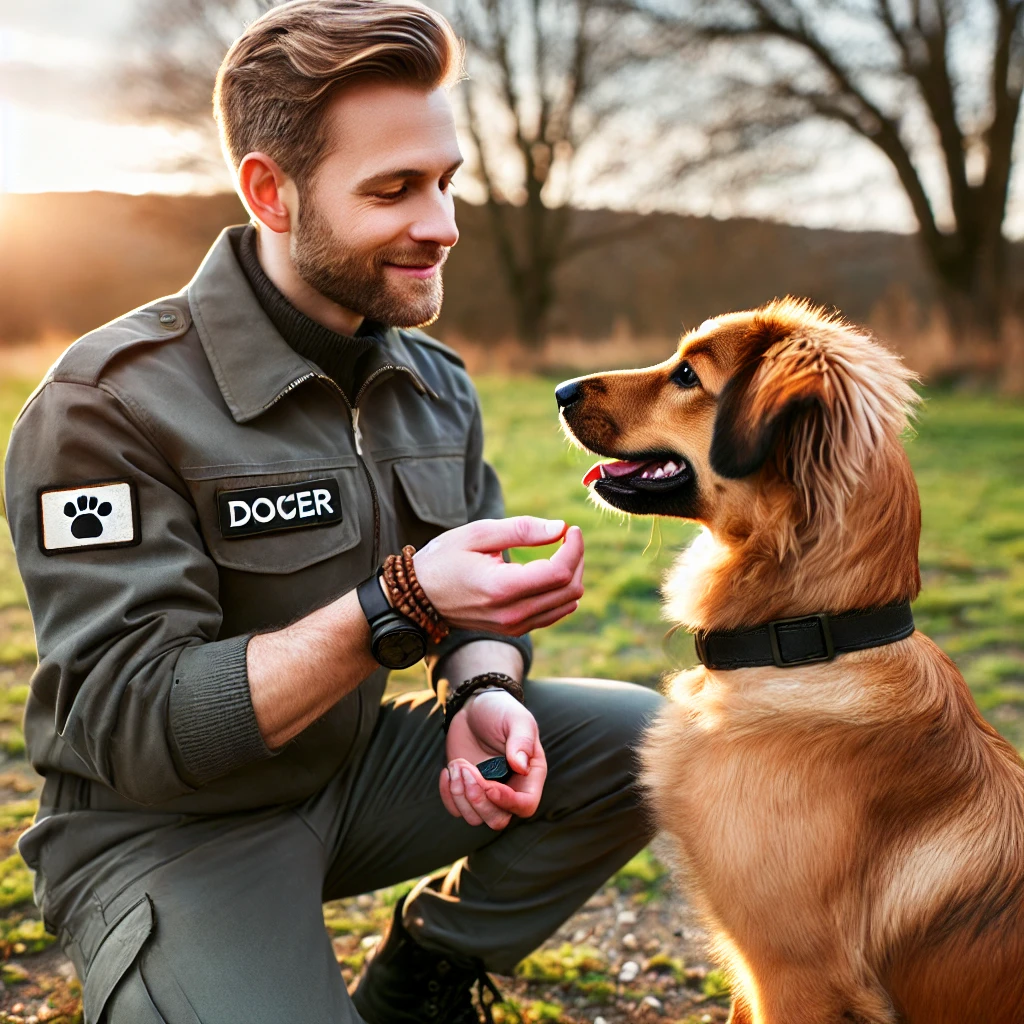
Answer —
403 983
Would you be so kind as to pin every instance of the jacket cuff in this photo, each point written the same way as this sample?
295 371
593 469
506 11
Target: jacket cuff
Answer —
460 637
212 720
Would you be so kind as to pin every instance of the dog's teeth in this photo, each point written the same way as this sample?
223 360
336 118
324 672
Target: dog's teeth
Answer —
659 473
604 472
670 468
645 475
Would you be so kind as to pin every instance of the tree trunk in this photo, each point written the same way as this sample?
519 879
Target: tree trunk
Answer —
533 303
973 291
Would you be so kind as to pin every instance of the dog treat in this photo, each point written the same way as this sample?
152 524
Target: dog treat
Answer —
495 769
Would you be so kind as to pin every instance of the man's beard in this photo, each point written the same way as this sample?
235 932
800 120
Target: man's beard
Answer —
359 281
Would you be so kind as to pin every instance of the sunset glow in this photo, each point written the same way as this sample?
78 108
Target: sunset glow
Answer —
54 152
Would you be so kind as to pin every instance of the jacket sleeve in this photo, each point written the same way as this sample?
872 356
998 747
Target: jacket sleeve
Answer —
484 500
130 668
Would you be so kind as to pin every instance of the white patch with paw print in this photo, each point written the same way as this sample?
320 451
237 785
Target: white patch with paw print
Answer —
91 516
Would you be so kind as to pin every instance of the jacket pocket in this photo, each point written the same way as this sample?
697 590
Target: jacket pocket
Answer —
278 518
435 489
115 955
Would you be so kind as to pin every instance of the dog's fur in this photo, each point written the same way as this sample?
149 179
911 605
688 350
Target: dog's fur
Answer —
852 831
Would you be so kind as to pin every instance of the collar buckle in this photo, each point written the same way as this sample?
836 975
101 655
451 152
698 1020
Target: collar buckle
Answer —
828 650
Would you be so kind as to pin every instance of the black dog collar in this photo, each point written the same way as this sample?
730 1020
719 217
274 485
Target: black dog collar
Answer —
804 640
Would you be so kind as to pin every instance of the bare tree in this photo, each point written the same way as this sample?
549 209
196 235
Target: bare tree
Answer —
549 85
543 90
935 85
171 58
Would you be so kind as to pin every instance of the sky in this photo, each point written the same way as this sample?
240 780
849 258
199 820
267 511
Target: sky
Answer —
56 57
55 135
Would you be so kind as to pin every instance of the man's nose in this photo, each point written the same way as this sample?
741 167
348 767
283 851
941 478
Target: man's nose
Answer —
437 224
568 393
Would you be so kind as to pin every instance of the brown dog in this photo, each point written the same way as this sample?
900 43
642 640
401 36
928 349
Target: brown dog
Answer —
852 829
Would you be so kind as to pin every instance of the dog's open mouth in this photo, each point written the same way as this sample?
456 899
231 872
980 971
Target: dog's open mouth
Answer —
654 474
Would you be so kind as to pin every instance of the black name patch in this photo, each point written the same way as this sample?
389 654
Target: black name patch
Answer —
285 507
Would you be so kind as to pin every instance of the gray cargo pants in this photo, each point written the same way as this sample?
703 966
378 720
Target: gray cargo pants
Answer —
217 919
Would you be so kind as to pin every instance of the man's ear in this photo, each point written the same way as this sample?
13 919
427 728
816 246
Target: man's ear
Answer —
267 191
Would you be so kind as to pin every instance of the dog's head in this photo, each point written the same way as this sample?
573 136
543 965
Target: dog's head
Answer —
780 415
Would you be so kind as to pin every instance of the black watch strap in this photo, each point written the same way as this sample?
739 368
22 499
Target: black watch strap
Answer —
371 598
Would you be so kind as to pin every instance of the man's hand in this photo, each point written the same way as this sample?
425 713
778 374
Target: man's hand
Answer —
463 574
493 722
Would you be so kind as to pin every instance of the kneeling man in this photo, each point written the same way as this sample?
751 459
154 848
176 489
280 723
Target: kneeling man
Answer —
202 495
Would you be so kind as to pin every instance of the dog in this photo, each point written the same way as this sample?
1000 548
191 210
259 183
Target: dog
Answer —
851 829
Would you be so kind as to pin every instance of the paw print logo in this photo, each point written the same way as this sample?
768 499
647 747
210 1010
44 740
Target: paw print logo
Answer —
85 516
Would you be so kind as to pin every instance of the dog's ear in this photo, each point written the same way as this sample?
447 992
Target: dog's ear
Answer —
758 404
751 416
813 396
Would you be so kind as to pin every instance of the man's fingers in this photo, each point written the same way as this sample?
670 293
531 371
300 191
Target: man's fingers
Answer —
476 793
459 797
519 746
533 606
543 575
522 805
524 799
446 794
515 532
549 618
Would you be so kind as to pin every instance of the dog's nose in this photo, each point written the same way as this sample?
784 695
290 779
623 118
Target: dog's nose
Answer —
569 393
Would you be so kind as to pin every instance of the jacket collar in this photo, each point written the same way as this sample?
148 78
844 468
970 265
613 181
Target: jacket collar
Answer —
253 365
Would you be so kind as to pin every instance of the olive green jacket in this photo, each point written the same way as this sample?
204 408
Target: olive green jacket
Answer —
182 479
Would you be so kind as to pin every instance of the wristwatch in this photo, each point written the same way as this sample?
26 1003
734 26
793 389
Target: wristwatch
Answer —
395 640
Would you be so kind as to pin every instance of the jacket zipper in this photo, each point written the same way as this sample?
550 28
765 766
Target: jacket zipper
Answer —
357 436
357 439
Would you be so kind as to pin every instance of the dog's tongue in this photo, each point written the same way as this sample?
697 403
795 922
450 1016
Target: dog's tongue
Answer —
611 469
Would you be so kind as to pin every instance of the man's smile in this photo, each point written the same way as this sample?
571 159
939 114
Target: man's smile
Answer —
421 271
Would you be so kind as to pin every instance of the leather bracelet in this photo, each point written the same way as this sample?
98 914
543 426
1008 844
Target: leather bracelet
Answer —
456 701
408 597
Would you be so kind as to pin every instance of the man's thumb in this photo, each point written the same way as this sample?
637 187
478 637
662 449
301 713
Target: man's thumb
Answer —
517 532
518 751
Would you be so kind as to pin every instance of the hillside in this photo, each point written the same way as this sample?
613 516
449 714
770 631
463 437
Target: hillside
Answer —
71 261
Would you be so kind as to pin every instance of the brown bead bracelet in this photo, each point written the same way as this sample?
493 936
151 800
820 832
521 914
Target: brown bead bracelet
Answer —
408 597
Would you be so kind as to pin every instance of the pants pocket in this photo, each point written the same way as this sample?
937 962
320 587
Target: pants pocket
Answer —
117 952
131 1002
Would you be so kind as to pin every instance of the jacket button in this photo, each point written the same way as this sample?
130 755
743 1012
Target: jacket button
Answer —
168 319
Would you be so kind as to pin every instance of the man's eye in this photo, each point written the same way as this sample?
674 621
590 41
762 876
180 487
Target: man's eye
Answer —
684 376
397 194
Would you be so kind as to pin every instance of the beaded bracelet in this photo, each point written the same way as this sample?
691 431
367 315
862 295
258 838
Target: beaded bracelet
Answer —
457 700
408 597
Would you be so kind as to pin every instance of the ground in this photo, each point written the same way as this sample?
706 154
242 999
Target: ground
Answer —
633 953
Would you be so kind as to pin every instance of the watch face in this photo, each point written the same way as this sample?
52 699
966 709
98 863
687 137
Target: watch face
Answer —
400 648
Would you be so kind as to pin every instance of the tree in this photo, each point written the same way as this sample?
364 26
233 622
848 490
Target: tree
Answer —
934 85
550 84
545 87
171 63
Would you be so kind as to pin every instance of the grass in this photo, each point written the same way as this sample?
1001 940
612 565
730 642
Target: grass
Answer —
969 459
968 455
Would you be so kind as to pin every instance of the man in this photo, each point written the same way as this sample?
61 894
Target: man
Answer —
201 494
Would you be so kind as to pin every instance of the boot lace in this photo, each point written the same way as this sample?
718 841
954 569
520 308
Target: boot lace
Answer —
450 1000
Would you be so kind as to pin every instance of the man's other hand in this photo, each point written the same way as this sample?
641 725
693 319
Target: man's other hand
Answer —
468 582
493 722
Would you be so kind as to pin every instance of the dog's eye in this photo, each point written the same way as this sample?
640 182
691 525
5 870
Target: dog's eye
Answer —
684 376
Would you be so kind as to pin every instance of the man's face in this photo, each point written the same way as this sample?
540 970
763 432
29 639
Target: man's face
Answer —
377 220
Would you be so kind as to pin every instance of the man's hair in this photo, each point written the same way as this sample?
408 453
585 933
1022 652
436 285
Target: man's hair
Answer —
276 81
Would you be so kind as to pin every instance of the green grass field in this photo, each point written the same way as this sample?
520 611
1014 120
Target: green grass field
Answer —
969 458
